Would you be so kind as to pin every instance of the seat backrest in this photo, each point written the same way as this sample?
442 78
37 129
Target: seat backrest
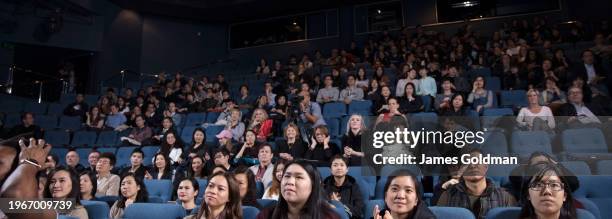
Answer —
264 203
249 212
334 110
161 188
72 123
107 138
585 140
153 210
604 167
503 213
333 125
96 209
84 138
123 156
362 107
149 152
452 212
202 183
193 119
186 134
47 122
494 143
527 142
212 131
57 138
370 204
324 171
339 209
578 168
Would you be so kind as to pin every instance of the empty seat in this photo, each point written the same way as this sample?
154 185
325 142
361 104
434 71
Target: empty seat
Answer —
604 167
211 117
161 188
55 109
428 121
594 187
57 138
60 153
361 107
72 123
493 84
107 138
46 122
604 205
153 210
202 183
123 156
12 119
426 103
513 98
451 212
333 126
212 131
587 140
36 108
494 143
11 106
194 119
526 142
484 72
149 151
578 168
498 112
499 173
186 134
84 138
96 209
324 171
249 212
334 110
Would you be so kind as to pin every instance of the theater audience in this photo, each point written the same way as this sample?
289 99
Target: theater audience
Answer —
351 92
187 193
246 184
72 160
351 140
88 183
108 183
115 119
221 198
261 124
140 135
63 184
329 93
576 112
27 126
300 195
172 147
273 191
547 194
222 158
343 188
552 94
198 146
136 166
381 104
321 149
403 198
291 146
480 98
475 192
77 108
161 168
198 168
443 99
535 117
133 190
263 170
95 120
410 102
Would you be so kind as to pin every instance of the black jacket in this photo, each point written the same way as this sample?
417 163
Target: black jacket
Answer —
353 141
350 195
321 155
296 151
70 110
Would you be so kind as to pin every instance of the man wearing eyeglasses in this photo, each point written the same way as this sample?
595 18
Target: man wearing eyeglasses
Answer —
576 111
475 193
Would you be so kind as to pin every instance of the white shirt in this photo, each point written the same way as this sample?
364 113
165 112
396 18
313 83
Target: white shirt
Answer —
175 154
590 70
526 117
585 115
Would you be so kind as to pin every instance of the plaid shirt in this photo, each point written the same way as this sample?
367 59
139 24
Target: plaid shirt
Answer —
492 197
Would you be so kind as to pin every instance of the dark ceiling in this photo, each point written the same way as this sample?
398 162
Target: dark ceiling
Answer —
231 10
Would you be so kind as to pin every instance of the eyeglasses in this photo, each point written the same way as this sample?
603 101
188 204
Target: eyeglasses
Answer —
554 186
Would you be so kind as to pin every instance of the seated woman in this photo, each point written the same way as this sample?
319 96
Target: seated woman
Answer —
381 105
443 99
172 147
187 194
456 108
291 146
63 184
198 146
300 195
221 198
133 190
403 198
351 140
321 149
89 185
344 188
480 98
161 168
247 186
278 114
410 102
392 112
535 117
547 194
95 120
198 168
159 135
247 154
140 135
261 124
552 95
273 191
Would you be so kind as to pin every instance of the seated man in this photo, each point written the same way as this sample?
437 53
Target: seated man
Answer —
263 170
351 92
92 159
328 93
115 119
27 125
475 193
72 161
108 183
576 112
78 108
310 115
222 158
344 188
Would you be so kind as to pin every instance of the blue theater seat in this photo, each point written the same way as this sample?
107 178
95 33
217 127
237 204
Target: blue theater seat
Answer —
57 138
452 212
586 140
160 188
249 212
153 210
494 143
96 209
84 138
186 134
578 168
47 122
194 119
107 138
514 212
361 107
334 110
36 108
526 142
72 123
